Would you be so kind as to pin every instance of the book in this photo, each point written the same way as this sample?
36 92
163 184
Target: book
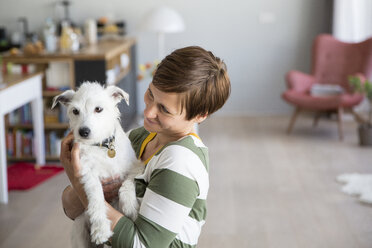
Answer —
326 90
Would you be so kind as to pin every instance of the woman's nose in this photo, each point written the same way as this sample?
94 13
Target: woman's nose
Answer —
150 111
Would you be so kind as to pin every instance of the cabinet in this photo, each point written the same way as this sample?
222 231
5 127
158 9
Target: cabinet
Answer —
107 62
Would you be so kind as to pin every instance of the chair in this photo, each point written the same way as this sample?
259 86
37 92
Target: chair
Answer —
332 62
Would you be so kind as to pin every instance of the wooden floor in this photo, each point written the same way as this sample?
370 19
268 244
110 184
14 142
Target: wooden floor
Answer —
267 189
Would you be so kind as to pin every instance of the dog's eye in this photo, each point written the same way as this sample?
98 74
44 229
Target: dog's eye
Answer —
98 109
75 111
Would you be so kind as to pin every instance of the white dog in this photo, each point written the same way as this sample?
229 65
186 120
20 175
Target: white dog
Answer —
105 152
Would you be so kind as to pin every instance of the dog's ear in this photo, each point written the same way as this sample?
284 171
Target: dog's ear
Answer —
63 98
118 94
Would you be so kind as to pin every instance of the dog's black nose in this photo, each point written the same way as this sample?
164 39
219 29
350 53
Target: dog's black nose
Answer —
84 132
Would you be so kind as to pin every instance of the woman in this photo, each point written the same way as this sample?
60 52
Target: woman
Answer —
189 85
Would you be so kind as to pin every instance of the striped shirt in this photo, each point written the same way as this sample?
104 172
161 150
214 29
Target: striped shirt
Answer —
172 192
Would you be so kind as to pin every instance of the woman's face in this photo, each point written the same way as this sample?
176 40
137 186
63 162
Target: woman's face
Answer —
163 113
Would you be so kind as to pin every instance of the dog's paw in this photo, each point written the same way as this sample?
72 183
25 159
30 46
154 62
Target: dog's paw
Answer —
131 211
128 200
129 207
101 233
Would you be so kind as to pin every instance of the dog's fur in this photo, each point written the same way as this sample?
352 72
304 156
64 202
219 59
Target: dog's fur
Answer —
83 109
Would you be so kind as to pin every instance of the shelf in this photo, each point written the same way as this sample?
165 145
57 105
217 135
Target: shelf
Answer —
51 93
46 126
20 126
56 125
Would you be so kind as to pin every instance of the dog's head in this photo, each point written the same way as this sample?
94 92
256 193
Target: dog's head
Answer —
92 111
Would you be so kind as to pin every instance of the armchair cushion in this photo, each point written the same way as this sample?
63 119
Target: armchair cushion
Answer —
299 81
306 101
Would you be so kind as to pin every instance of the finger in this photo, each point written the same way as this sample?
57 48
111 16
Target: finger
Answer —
108 190
75 158
69 135
67 142
111 187
106 181
110 196
110 181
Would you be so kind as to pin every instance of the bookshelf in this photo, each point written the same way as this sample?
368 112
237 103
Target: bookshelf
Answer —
19 136
108 62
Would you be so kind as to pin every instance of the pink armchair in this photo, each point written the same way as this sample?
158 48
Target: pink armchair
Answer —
332 62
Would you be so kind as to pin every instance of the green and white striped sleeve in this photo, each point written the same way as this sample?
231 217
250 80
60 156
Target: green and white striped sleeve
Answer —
170 212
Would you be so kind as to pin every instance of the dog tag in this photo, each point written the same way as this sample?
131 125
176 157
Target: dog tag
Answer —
111 153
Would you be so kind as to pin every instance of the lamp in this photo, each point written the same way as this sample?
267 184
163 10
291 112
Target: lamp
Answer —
162 20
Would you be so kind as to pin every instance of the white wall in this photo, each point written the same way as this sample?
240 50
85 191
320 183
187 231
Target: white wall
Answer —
257 54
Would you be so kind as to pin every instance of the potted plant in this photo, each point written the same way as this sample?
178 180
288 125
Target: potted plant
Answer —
365 125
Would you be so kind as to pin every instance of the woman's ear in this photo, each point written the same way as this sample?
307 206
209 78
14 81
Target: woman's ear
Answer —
200 118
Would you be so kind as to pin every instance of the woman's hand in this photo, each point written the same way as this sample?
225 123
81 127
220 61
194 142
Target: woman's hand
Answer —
70 160
111 188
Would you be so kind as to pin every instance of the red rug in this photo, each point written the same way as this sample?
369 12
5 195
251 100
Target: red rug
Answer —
23 176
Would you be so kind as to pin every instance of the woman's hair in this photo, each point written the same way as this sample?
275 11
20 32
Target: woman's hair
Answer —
198 75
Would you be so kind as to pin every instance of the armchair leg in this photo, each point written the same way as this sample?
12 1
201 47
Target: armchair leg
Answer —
339 119
293 119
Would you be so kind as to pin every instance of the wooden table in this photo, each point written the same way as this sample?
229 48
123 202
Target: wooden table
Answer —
92 63
15 91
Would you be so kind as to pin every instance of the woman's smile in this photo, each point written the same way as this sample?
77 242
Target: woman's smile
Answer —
151 121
